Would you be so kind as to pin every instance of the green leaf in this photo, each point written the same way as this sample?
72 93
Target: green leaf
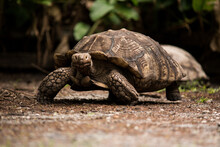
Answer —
80 30
44 2
185 5
112 2
209 5
126 12
114 18
135 2
161 4
18 2
200 5
99 9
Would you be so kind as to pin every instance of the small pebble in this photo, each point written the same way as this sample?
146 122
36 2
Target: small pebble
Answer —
161 109
108 119
136 127
128 125
209 101
204 121
205 111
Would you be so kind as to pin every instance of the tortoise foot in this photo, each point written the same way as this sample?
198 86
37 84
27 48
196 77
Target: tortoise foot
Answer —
174 97
172 92
52 84
122 92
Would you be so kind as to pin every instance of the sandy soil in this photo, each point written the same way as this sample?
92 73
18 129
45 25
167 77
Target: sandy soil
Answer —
87 119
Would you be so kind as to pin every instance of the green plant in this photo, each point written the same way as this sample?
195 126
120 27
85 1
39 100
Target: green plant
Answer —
111 11
37 19
203 100
212 90
116 11
190 86
161 90
203 5
197 86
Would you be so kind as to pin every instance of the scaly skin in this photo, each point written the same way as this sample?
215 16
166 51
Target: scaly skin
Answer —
172 92
52 84
123 91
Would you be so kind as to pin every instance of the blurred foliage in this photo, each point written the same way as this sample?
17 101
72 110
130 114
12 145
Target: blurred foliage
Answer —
203 5
110 12
80 30
197 86
116 11
203 100
47 19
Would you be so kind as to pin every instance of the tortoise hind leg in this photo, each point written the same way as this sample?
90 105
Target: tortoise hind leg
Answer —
172 92
121 91
52 84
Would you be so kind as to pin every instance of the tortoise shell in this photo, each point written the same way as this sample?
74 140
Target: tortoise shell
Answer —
191 67
136 52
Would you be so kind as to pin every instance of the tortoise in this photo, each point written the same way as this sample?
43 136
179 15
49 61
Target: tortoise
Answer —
122 61
191 67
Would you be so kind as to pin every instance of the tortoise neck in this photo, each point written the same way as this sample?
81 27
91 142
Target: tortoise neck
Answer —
86 71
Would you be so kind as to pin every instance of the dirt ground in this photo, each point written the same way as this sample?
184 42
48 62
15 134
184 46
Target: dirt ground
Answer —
87 119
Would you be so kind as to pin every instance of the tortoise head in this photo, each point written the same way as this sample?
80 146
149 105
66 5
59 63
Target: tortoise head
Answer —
82 62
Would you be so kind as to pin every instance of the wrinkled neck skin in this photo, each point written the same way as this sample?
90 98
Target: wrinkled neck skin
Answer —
84 71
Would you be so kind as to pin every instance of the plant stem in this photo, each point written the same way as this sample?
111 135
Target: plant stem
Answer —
94 26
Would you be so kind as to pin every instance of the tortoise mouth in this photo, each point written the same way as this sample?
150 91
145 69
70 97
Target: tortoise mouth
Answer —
82 65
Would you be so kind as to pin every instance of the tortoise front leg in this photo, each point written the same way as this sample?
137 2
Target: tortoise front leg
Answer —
52 84
121 91
172 92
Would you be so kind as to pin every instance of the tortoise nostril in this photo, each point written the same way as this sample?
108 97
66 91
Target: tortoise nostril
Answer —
81 57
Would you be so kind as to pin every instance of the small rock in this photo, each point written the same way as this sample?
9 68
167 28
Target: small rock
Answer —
161 109
136 128
128 125
108 119
84 112
209 101
137 108
205 111
204 121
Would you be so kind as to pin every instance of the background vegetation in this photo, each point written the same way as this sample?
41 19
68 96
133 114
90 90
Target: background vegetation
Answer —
47 26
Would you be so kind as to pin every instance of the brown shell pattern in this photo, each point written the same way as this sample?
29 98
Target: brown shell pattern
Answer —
140 54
